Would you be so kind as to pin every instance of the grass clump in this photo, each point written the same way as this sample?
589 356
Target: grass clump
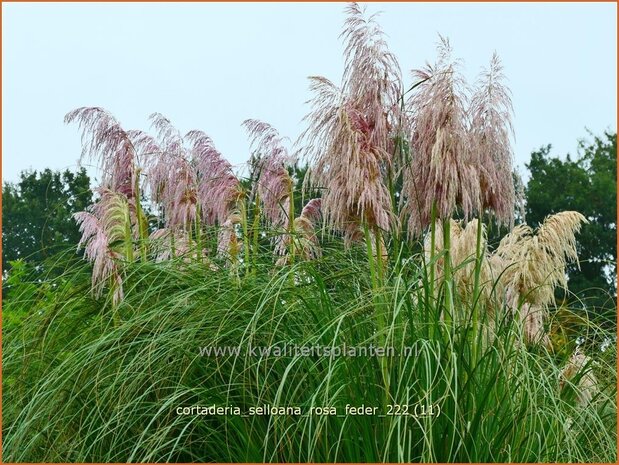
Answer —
78 387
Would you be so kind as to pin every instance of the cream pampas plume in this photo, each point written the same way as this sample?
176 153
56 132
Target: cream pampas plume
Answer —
489 138
580 366
463 253
531 318
443 171
228 244
305 238
531 264
305 241
349 139
539 258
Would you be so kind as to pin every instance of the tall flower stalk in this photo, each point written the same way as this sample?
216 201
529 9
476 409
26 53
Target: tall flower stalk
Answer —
117 212
219 190
443 176
107 143
172 176
350 142
490 135
490 139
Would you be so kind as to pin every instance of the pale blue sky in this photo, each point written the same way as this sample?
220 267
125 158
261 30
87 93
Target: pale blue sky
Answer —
210 66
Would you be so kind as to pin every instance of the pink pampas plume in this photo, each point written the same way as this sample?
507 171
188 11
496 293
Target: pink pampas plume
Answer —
350 138
105 140
443 171
104 229
171 175
218 187
274 185
490 132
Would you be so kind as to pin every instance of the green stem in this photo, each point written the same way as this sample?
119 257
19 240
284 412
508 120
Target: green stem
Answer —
256 231
115 316
140 218
432 247
378 307
368 242
291 223
189 240
476 288
172 246
198 227
244 220
380 263
447 270
128 236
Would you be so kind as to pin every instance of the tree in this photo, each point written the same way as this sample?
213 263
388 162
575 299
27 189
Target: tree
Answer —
587 184
37 214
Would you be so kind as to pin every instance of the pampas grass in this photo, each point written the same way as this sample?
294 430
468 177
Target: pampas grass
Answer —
579 370
104 140
490 133
115 345
274 185
539 257
172 175
219 189
103 228
77 388
349 141
443 173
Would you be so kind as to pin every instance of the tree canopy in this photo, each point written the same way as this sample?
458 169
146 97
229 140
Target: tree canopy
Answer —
37 214
587 184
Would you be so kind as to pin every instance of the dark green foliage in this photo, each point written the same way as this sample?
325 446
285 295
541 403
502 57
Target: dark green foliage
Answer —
80 385
587 184
37 214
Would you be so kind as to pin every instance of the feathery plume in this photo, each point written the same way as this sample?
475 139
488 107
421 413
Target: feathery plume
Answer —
228 243
274 184
104 139
312 211
580 366
171 175
166 243
218 187
532 321
103 228
532 264
539 258
490 132
462 252
161 243
349 139
305 241
442 170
